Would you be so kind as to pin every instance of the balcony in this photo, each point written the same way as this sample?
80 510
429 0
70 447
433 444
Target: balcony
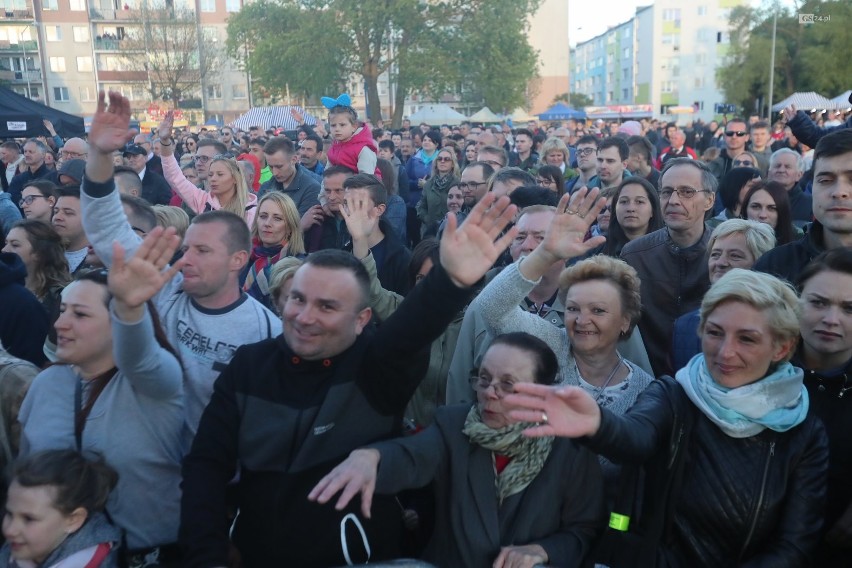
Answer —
25 14
20 47
122 76
107 44
113 15
20 77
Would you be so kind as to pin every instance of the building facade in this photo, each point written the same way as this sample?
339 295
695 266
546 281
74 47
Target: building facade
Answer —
62 52
665 56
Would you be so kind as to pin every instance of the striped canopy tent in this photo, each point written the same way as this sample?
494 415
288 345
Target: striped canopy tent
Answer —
843 101
805 101
272 117
484 115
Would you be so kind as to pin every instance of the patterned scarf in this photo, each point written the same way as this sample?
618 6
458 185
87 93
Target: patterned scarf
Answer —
778 401
261 258
528 454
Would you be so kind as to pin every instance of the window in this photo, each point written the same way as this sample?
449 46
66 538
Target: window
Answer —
78 5
84 64
57 64
667 87
53 33
699 82
702 10
81 34
671 15
232 5
208 5
667 39
700 58
88 94
50 4
626 52
239 92
625 74
210 34
60 94
214 91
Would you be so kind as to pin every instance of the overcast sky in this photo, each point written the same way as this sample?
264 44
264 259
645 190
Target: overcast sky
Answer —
589 18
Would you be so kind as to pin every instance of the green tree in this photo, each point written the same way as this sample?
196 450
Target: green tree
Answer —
163 48
475 47
801 63
576 100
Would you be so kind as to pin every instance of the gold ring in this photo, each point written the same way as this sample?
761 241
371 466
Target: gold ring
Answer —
570 211
544 417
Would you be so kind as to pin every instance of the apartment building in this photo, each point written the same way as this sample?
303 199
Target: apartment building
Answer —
62 52
666 56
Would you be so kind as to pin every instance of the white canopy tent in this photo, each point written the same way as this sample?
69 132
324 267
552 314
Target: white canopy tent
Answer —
805 101
842 101
520 115
437 114
485 114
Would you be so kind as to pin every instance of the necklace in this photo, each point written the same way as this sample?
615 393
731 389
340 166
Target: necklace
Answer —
601 389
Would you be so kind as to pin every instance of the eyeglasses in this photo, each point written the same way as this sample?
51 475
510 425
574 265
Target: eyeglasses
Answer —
542 181
747 163
481 384
205 159
472 185
494 164
682 192
443 159
72 155
738 134
585 151
29 199
202 159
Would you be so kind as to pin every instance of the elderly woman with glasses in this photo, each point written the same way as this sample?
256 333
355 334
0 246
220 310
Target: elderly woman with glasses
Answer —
735 464
432 206
501 499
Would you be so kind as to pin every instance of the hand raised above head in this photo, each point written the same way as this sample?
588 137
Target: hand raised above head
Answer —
789 113
360 216
110 130
575 214
134 281
470 250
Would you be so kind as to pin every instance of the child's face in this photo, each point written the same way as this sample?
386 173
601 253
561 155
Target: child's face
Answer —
342 126
33 527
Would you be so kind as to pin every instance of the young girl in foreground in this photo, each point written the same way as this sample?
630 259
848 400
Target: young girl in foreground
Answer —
54 513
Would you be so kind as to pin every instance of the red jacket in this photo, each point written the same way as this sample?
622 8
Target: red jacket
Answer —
346 153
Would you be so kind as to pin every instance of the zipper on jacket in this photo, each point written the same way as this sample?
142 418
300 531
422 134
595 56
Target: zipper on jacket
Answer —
759 500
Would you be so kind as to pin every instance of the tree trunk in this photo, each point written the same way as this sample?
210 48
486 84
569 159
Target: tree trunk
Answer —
374 104
398 105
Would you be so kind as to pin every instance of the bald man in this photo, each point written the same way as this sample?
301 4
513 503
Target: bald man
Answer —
73 149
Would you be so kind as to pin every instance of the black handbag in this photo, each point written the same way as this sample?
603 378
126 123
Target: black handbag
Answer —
641 520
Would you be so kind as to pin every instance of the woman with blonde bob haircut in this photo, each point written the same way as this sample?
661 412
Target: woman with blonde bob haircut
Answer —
280 280
735 464
554 152
275 235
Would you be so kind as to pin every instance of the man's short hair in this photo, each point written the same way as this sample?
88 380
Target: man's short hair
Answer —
39 144
237 236
11 145
495 150
259 141
800 161
279 144
835 144
615 142
528 196
371 183
387 145
72 190
130 176
336 259
760 124
513 174
218 146
709 182
336 171
142 213
588 139
643 146
524 131
487 169
316 139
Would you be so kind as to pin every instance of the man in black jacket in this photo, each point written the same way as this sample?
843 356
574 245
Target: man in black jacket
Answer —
287 410
832 209
155 188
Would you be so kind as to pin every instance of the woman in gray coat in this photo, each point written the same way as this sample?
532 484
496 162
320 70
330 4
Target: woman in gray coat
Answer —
501 499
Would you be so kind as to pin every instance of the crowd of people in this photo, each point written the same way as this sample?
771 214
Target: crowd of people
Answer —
622 344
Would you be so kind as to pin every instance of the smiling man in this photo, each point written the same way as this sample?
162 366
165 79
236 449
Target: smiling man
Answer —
671 261
787 167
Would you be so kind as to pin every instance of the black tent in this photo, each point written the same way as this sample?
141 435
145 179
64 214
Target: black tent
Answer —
22 118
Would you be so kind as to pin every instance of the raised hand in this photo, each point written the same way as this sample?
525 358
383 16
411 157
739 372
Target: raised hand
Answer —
789 113
360 215
355 475
469 251
134 281
297 116
110 129
557 411
49 126
313 216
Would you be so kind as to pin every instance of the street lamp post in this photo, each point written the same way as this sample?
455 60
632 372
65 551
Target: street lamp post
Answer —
772 64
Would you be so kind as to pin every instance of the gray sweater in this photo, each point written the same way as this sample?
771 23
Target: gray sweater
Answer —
205 340
135 424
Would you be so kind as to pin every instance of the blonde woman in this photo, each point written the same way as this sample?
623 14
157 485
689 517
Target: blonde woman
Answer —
225 181
554 152
432 206
171 216
275 235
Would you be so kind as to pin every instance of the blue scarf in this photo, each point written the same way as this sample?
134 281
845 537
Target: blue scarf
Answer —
778 401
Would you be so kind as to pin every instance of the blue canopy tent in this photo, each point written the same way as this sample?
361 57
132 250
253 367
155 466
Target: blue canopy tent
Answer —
561 111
